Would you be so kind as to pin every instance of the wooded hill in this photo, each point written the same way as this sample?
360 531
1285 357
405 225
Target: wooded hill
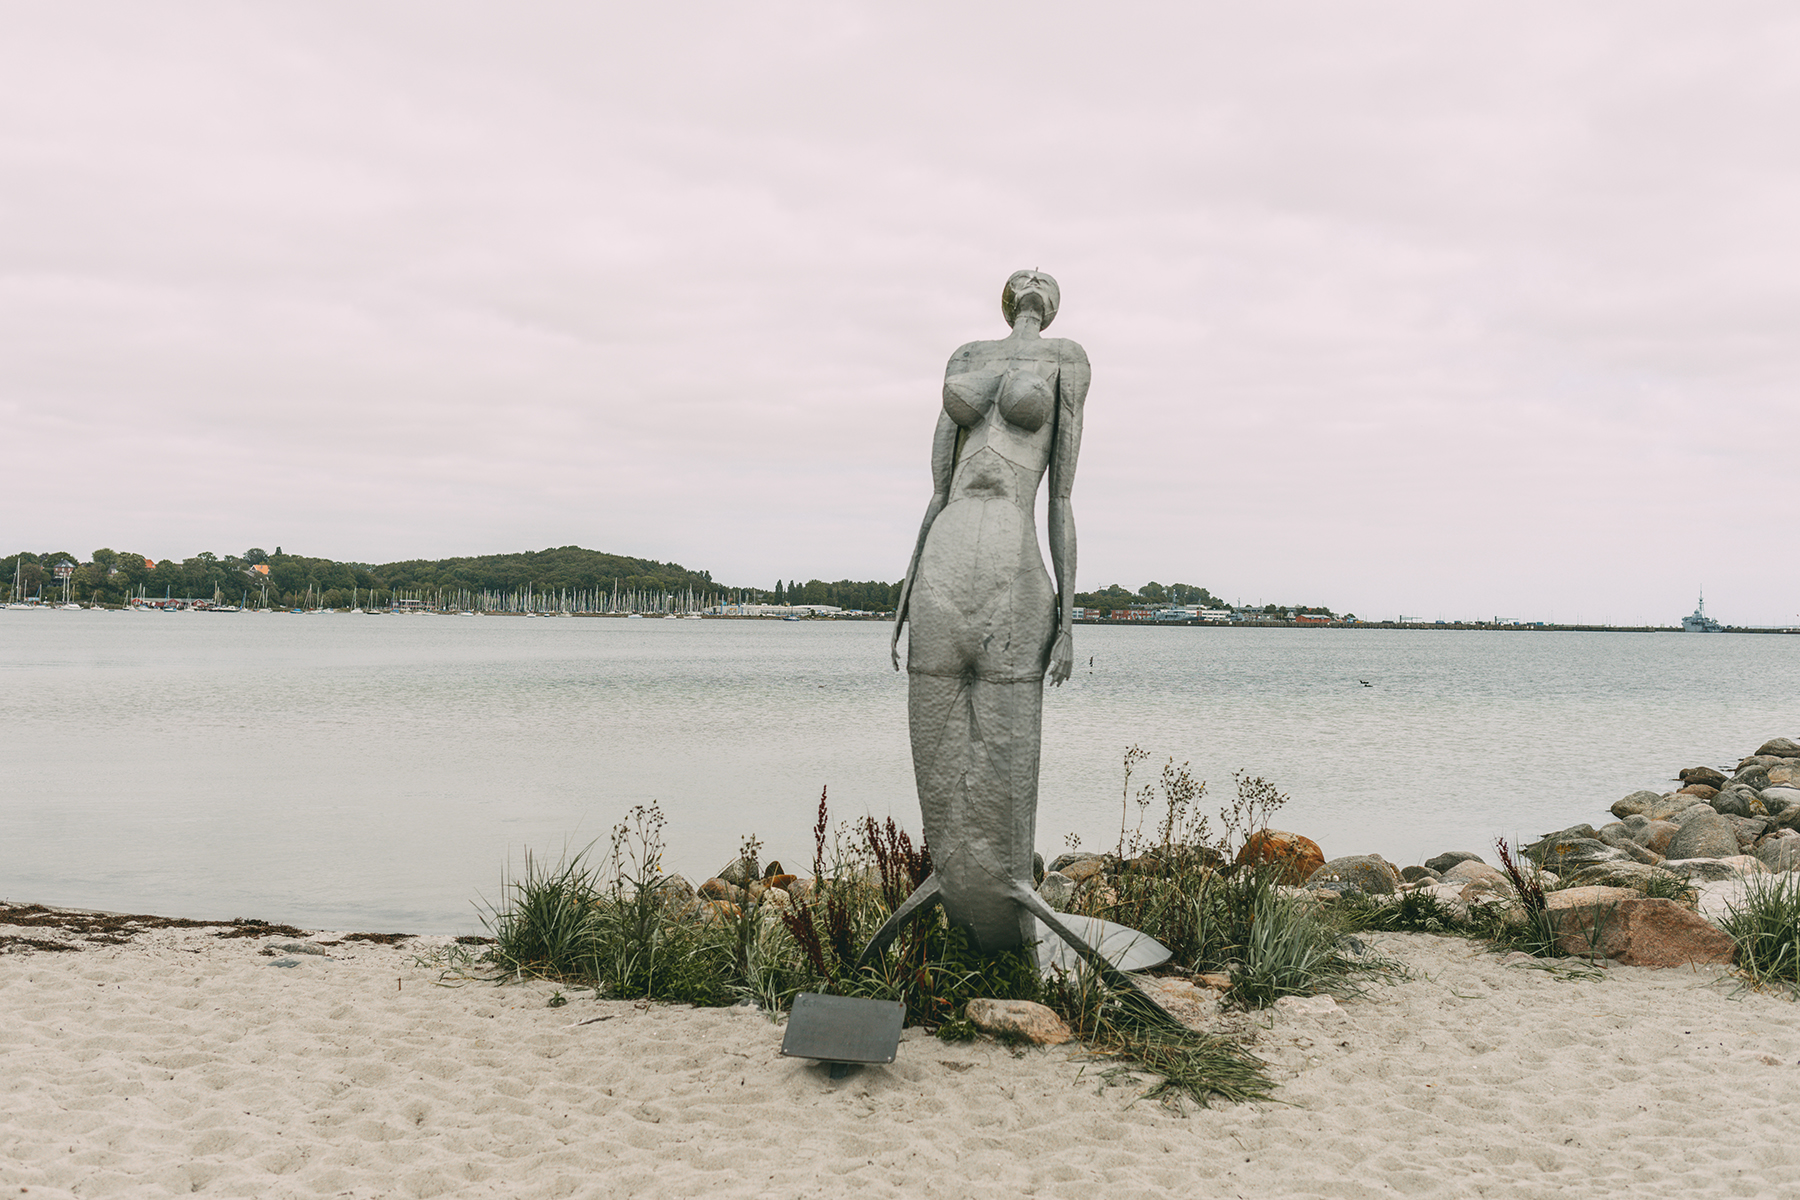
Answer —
112 577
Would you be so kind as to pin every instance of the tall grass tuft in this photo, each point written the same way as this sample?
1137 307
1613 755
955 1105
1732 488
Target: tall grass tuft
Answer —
1766 927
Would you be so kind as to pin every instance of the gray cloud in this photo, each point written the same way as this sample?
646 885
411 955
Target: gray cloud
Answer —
1419 308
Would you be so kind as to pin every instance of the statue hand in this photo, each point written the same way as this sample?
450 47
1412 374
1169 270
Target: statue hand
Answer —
1062 658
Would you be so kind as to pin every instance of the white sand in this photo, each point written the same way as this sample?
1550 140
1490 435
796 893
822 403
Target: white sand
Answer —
182 1063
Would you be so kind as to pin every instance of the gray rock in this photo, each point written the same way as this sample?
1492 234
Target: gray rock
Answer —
1619 874
285 962
1704 870
1779 853
1634 804
1709 776
674 892
1706 836
1693 813
1566 854
1613 835
1780 748
1415 874
1368 873
1667 808
298 948
1037 868
1472 871
1779 801
1749 829
739 873
1561 835
1733 802
1450 858
1755 775
1057 889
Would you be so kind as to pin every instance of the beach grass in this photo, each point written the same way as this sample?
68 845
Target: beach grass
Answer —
1765 924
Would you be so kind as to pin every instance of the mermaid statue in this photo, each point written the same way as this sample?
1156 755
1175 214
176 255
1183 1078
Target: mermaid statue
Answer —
987 626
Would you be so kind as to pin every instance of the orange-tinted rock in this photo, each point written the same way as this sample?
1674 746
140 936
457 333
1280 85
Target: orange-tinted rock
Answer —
717 889
1702 790
1301 855
1637 931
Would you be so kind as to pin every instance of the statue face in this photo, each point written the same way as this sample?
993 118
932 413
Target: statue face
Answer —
1031 291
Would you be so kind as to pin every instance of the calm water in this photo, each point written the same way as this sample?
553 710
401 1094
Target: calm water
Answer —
363 772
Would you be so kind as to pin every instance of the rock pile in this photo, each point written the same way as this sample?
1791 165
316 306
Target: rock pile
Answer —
1712 827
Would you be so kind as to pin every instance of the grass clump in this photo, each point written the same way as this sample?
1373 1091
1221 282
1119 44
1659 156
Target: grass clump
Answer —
1766 927
1215 907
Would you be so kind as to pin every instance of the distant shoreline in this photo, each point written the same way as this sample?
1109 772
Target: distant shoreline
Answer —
1428 627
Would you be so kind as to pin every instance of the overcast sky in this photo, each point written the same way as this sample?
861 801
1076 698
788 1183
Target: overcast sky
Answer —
1437 309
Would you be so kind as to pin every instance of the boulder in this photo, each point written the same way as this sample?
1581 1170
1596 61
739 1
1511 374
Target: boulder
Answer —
1785 774
1657 837
1083 869
1734 802
1780 748
1488 889
717 889
1561 835
1586 896
1632 849
1418 874
674 892
801 890
1566 854
1707 836
1705 791
1018 1019
1299 856
739 872
1749 830
1779 801
1779 854
1668 807
1470 870
1037 869
1709 776
1057 889
1633 875
1632 805
1694 813
1368 873
1753 774
1713 870
1638 931
1450 858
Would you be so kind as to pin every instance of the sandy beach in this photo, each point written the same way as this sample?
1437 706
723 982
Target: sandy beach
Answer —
181 1062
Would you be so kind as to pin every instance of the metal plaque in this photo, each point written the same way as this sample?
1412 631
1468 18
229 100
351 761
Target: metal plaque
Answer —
843 1029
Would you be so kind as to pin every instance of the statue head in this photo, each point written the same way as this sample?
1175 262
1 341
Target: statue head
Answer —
1033 287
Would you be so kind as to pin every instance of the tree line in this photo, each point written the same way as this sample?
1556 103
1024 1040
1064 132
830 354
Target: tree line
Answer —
1182 595
282 580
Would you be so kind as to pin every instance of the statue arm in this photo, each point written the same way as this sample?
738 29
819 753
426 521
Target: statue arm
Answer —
943 464
1073 375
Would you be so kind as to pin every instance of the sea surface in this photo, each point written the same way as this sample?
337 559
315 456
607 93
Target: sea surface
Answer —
349 771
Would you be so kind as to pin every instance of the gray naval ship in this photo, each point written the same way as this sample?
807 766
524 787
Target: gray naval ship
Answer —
1700 622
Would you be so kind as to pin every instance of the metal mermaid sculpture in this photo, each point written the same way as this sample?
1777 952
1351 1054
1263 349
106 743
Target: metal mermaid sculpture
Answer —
988 626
